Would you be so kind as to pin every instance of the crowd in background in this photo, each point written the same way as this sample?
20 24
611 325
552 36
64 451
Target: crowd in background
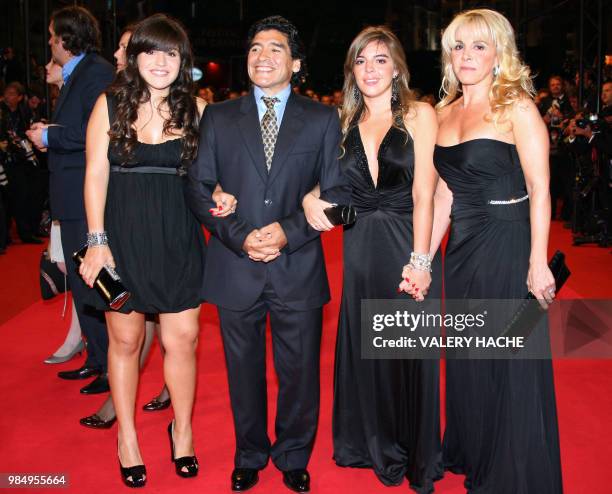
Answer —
580 151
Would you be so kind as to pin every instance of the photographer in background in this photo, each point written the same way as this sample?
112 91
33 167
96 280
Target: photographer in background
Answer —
3 195
556 111
21 164
599 135
590 137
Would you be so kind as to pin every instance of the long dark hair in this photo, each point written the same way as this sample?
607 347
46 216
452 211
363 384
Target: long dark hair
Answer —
158 32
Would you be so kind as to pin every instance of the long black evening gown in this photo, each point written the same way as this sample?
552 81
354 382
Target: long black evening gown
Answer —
386 412
501 418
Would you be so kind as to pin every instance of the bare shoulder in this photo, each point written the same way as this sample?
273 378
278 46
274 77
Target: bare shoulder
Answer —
98 125
523 110
99 112
421 119
526 121
201 104
425 113
101 101
444 112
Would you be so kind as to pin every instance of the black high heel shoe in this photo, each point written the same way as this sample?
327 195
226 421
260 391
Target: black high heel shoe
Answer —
156 405
188 462
138 474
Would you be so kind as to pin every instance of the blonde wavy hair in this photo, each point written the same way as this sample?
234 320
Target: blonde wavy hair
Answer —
353 105
513 80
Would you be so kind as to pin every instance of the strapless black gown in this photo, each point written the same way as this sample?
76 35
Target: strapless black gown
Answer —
386 412
501 418
157 243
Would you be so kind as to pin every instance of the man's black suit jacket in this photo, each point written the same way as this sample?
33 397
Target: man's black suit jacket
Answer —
66 136
231 153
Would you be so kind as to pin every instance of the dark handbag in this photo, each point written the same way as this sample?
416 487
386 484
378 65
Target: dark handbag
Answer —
339 214
529 313
107 283
52 280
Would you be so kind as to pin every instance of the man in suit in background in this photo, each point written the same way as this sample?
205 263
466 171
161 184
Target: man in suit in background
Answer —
269 148
74 40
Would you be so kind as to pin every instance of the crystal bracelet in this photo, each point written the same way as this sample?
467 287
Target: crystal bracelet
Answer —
97 238
420 262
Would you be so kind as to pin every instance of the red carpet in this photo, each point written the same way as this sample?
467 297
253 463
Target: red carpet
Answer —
19 287
39 430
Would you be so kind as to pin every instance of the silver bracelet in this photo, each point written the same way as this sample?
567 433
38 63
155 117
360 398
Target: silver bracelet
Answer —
420 262
97 238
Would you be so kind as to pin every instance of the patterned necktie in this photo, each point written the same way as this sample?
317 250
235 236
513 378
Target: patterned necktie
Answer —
269 129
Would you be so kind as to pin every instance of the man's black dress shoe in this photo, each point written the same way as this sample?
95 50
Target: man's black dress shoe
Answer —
297 480
244 478
98 385
95 422
82 373
156 405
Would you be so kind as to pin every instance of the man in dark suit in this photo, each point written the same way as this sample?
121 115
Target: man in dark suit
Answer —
269 148
75 37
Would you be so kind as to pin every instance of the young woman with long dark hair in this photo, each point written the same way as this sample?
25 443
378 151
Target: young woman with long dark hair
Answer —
142 135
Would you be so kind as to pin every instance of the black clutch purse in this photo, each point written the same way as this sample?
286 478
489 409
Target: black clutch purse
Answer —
529 313
339 214
107 284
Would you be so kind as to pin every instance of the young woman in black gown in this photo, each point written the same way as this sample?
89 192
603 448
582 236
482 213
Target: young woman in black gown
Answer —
140 137
386 412
492 157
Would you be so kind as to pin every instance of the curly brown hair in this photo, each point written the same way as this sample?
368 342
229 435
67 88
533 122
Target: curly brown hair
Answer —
129 91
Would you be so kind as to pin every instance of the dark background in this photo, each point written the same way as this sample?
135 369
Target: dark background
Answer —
548 31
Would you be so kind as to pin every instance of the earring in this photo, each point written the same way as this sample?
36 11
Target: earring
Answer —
356 93
394 92
496 71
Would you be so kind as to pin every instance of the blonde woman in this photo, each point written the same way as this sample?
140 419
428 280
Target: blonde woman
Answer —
386 412
492 157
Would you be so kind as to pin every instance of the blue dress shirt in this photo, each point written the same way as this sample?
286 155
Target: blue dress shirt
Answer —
67 70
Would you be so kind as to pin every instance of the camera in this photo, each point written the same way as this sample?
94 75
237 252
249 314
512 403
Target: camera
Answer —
592 121
26 148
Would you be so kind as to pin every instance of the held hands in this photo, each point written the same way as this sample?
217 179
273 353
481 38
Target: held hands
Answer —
95 259
541 283
226 203
265 244
415 282
315 214
35 134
